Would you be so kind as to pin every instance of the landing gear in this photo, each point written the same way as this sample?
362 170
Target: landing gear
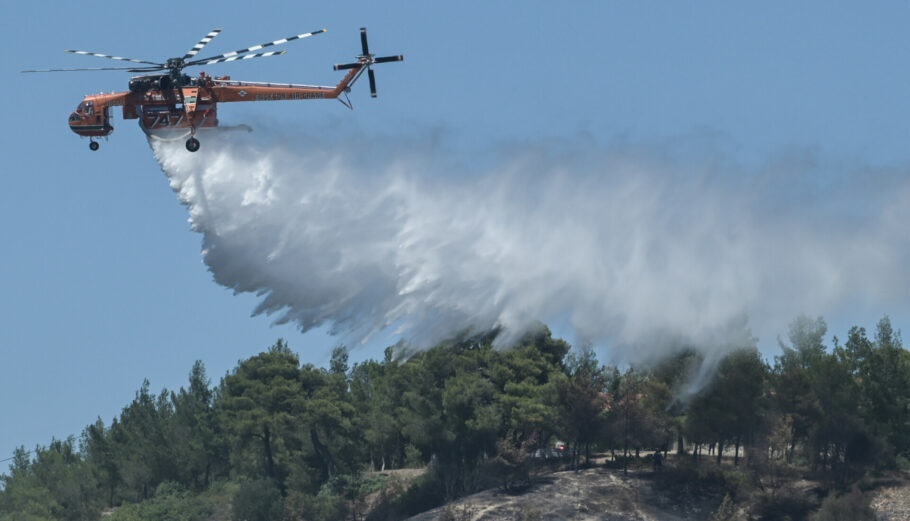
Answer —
192 144
93 145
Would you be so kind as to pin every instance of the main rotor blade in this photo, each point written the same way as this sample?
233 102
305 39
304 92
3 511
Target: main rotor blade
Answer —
254 48
385 59
363 41
372 83
235 58
198 47
131 69
86 53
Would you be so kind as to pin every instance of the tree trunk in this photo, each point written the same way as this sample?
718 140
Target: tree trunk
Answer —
680 446
720 451
791 449
625 458
267 445
328 464
736 453
399 446
575 455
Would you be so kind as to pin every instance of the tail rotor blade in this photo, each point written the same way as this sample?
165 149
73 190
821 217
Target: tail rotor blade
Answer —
372 83
346 66
385 59
363 41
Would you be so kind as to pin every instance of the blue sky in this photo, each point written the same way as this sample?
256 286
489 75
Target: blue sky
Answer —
102 279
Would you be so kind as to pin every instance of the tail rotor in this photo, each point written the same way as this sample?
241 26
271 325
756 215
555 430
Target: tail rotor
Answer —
366 61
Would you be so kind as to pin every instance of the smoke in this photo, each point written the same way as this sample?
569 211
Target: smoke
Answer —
631 246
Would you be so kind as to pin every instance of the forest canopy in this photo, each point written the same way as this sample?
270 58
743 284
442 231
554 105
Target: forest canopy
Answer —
279 439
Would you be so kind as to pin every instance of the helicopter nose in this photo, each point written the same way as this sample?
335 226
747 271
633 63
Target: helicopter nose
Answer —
74 120
77 125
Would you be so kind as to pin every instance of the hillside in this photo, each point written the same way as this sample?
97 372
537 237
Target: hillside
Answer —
601 494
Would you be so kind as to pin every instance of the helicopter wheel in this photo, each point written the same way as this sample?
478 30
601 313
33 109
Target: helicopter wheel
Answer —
93 145
192 144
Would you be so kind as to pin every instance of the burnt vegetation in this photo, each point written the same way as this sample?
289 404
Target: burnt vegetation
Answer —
807 434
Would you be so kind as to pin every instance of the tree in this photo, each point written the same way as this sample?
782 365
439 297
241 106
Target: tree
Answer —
629 416
583 402
194 431
741 386
885 385
375 400
257 409
791 377
142 445
101 455
327 413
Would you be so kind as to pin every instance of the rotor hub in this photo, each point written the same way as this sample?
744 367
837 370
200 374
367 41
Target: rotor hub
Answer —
175 64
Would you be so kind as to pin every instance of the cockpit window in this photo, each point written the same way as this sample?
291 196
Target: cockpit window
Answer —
88 108
80 107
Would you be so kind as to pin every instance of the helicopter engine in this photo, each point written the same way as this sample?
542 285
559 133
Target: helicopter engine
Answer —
141 84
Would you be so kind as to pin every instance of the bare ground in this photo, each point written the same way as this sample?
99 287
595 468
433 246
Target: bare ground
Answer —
605 494
592 494
892 503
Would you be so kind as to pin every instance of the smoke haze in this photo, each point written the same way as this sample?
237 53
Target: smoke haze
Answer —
632 248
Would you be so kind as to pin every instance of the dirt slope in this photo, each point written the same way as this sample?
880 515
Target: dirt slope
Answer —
593 494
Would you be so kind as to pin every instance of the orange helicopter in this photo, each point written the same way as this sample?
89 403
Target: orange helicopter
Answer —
172 103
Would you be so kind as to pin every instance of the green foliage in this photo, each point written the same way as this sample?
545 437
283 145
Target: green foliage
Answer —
425 493
511 466
55 485
172 502
258 500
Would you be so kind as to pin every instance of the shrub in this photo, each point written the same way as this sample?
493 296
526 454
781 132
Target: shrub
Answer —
258 500
412 457
425 493
171 502
787 505
726 511
852 506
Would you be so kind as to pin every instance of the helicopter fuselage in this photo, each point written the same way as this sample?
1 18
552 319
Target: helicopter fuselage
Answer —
165 103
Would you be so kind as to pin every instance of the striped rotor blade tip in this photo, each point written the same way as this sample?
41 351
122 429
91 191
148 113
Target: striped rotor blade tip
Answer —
131 69
202 43
262 46
99 55
244 57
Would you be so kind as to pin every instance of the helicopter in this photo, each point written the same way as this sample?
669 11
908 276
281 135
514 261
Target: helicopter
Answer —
169 103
